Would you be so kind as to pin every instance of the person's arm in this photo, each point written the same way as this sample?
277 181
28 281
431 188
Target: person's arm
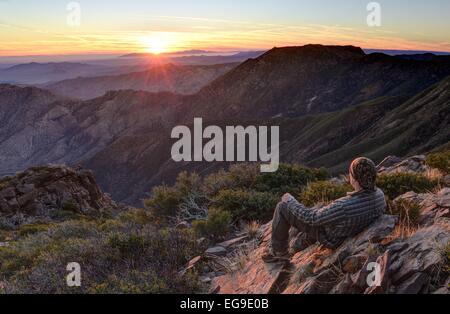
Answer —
317 216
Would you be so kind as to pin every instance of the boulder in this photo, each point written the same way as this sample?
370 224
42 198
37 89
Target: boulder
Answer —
216 251
41 193
414 284
414 164
232 242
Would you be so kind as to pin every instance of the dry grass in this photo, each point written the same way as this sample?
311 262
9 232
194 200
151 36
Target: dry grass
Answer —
401 231
237 260
435 175
252 229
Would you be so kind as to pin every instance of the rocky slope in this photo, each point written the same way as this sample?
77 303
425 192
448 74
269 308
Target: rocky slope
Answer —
164 78
417 262
43 194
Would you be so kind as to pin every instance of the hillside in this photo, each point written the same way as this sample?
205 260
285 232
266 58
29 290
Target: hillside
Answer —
419 125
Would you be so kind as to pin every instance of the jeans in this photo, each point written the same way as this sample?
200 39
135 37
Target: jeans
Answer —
285 218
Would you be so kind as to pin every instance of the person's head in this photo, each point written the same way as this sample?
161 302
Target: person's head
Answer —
363 174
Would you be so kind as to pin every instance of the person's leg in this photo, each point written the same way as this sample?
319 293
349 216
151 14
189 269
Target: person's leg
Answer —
280 229
284 218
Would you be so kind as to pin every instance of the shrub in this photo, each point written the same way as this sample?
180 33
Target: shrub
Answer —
288 179
216 226
25 230
397 184
127 246
242 176
246 204
187 184
164 201
323 192
136 216
439 161
70 206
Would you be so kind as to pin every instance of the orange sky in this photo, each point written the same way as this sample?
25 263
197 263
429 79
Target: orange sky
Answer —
40 28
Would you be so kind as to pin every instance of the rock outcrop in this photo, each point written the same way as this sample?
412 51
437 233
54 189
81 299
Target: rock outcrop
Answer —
393 164
49 193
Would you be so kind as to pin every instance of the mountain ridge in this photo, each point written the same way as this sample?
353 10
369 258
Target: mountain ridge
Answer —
124 136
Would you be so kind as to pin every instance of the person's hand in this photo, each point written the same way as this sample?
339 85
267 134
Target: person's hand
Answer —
286 197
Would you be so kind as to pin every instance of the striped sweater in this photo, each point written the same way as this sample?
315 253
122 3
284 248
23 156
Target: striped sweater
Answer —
344 217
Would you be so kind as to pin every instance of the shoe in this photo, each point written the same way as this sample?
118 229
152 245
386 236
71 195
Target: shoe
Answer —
271 257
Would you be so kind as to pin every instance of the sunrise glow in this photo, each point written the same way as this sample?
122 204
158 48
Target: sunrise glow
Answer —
156 45
158 27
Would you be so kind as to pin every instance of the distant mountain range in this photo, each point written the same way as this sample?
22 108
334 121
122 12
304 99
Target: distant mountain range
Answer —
176 53
165 78
332 103
38 74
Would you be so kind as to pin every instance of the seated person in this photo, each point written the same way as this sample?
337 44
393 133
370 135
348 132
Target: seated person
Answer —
329 225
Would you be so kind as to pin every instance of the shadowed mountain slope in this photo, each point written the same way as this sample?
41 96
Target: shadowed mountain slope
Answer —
295 81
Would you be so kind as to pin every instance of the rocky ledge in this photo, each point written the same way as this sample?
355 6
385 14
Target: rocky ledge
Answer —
50 193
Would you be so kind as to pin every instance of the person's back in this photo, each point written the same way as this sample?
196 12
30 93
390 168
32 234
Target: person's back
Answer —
331 224
359 210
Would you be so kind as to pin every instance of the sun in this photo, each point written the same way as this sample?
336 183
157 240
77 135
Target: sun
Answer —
155 45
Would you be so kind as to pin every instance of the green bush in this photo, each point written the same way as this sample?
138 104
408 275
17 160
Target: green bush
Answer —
246 204
187 184
164 201
439 161
216 226
323 192
397 184
241 176
127 245
288 179
25 230
70 206
407 211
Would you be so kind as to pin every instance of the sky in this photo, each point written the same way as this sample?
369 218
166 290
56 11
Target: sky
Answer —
47 27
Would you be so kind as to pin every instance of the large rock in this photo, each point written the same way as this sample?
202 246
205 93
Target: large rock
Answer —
392 164
51 192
